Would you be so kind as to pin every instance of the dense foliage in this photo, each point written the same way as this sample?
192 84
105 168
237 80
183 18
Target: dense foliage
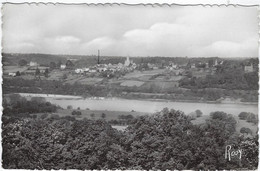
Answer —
228 76
145 91
15 104
165 140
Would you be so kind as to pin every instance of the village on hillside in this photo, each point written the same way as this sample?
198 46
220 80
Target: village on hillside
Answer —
59 70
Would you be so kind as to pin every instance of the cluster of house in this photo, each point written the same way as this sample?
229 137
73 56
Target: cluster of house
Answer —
128 66
29 70
249 68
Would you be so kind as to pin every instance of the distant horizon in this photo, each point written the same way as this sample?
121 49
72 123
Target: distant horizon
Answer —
248 57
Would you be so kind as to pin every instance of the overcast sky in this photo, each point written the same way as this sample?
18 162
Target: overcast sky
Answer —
131 30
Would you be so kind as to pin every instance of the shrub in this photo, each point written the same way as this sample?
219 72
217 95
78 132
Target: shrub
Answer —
69 107
218 115
251 118
244 130
103 115
192 115
243 115
74 112
198 113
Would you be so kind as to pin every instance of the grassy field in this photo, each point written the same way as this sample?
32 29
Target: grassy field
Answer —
90 81
138 74
113 115
7 69
131 83
244 123
200 120
110 115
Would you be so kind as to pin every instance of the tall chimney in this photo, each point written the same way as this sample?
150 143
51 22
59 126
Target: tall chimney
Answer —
98 57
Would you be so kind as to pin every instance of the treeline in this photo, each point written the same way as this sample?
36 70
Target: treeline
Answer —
166 140
122 120
228 76
249 117
19 85
14 104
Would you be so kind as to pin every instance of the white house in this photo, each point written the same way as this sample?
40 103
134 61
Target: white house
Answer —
12 74
33 64
92 70
62 66
85 69
78 71
127 61
216 62
193 66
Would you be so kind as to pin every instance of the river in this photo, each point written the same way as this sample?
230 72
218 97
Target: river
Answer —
146 106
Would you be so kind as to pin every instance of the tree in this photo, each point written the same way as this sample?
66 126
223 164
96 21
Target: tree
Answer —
69 64
37 73
46 73
52 65
244 130
18 73
103 115
92 115
74 112
218 115
59 63
22 62
69 107
251 118
243 115
210 62
198 113
64 76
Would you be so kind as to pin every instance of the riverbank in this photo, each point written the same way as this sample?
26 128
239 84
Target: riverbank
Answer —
67 97
148 106
58 96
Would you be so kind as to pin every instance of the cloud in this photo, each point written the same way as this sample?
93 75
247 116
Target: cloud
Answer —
67 39
100 43
134 31
233 49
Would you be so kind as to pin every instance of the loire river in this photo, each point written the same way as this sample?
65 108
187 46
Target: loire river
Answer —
146 106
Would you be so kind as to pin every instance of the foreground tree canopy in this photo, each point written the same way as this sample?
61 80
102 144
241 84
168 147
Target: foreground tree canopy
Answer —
165 140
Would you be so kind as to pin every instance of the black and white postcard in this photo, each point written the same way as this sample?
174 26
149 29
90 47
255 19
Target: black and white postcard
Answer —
129 87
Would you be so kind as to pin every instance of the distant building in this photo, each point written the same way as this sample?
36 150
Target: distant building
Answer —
216 62
78 71
193 66
12 74
127 61
249 68
174 66
85 69
92 70
33 64
62 66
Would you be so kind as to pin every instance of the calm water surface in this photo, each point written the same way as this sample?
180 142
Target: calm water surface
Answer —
152 106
